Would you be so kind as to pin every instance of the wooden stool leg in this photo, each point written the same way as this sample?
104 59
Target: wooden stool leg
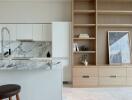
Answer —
17 97
10 98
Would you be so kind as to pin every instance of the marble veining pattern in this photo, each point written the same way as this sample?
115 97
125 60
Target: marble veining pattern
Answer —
28 64
28 49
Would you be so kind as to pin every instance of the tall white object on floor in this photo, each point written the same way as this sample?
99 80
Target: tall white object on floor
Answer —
61 46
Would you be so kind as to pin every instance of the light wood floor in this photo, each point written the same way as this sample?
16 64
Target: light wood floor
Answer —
70 93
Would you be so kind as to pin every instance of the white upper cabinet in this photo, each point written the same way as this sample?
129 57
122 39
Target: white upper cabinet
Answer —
12 30
37 32
41 32
47 32
24 32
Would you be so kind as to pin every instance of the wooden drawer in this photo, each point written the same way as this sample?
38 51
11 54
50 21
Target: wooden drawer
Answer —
129 81
112 72
85 82
112 81
80 72
129 72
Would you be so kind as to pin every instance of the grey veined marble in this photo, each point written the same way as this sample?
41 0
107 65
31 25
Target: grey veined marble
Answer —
28 64
28 49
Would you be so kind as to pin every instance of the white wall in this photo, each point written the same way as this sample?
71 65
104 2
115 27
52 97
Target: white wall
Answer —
33 11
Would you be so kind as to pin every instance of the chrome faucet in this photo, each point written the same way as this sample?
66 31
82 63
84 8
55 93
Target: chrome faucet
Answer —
2 41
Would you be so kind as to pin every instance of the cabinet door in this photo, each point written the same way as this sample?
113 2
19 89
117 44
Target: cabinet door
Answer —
46 35
66 70
24 32
61 39
38 32
12 29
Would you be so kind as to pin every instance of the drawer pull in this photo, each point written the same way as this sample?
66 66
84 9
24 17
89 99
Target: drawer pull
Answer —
86 76
113 76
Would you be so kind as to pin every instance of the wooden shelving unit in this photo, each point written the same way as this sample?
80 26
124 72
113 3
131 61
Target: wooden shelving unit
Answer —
114 12
85 52
84 11
91 38
96 18
115 25
84 22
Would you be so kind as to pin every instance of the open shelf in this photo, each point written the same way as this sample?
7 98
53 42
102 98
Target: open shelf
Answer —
114 25
113 12
90 38
85 52
84 18
83 0
84 25
83 66
84 5
84 11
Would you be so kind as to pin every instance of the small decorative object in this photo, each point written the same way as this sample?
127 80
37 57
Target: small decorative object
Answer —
84 60
84 35
83 48
119 47
76 36
48 54
75 47
85 63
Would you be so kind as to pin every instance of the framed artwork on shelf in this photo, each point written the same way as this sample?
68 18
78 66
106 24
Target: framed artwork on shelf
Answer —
119 47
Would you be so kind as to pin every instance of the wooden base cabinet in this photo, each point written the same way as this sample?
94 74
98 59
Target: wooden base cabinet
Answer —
85 77
129 77
102 76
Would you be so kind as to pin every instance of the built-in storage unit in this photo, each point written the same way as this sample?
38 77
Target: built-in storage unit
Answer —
61 32
24 32
96 18
42 32
28 32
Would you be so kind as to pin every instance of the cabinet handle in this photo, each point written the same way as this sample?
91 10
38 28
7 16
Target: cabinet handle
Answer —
86 76
113 76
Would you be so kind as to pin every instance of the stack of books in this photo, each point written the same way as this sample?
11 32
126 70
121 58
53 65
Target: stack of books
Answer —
83 36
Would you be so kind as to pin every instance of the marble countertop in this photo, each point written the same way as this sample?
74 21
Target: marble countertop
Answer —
31 64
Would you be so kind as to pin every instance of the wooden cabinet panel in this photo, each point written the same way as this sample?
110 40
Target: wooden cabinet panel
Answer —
129 81
112 72
112 81
85 81
80 72
129 72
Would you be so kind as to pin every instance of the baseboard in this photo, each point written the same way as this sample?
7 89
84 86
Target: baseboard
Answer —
67 82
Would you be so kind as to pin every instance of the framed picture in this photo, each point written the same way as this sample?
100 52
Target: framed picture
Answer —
119 47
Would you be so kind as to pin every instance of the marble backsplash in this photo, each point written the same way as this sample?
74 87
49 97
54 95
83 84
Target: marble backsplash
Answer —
28 49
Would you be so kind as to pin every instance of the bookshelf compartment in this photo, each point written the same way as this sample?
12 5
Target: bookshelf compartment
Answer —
89 44
84 30
114 5
89 56
84 19
116 19
84 5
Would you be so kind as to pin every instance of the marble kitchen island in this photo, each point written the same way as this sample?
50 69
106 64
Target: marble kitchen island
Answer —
40 79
